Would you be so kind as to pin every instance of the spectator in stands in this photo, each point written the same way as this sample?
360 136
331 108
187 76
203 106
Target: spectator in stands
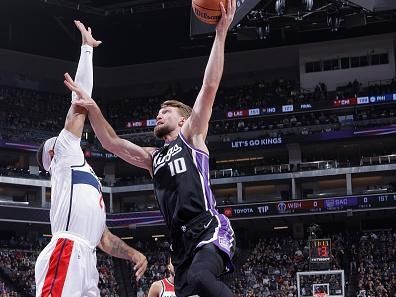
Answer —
377 264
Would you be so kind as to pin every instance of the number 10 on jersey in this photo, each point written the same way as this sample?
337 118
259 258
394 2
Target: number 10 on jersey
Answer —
177 166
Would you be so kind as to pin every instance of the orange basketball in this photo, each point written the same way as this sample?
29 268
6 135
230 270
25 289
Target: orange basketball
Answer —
208 11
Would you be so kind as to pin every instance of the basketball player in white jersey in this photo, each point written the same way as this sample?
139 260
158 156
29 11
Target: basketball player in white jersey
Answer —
164 287
67 265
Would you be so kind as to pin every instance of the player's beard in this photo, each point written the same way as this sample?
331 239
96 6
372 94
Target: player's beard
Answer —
162 131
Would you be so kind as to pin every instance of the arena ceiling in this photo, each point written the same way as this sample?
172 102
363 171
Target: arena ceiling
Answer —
140 31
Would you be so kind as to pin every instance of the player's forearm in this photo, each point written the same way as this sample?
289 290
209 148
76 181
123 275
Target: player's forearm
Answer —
116 247
214 68
84 74
76 115
103 130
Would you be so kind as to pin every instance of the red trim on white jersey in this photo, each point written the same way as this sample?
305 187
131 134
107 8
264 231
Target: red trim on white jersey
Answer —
168 288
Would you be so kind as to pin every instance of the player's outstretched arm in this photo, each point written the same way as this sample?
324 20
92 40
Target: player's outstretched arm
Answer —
116 247
197 124
128 151
84 77
155 289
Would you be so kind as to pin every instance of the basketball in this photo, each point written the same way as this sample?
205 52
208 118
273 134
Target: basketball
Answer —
208 11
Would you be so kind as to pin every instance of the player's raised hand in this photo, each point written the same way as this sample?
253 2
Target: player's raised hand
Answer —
86 35
227 15
140 264
83 99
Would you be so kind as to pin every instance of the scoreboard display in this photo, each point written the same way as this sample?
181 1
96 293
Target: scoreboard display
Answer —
297 207
319 251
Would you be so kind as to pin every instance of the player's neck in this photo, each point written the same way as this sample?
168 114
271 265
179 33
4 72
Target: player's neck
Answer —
171 136
171 279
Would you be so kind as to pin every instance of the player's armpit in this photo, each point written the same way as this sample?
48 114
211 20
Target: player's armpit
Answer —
198 122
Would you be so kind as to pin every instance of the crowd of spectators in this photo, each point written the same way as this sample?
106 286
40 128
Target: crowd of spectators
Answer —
19 266
374 258
320 161
6 291
258 94
107 282
15 104
306 123
299 124
46 112
157 254
269 270
29 109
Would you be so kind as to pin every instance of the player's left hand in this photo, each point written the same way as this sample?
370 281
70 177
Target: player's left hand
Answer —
140 264
86 35
83 99
227 15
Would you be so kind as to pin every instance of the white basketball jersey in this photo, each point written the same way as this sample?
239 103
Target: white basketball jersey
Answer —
77 205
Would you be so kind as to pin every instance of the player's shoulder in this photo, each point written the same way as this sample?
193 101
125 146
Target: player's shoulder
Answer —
158 282
156 288
66 134
150 149
68 143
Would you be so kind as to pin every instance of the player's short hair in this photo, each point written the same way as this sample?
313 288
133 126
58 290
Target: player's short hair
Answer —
39 155
183 109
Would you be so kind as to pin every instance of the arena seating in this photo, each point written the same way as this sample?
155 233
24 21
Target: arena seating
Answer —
157 254
35 128
7 292
268 270
375 262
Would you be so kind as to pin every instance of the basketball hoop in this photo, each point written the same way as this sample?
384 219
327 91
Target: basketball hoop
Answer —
316 284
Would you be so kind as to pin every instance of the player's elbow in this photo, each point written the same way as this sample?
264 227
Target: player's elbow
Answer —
210 86
105 241
106 145
102 243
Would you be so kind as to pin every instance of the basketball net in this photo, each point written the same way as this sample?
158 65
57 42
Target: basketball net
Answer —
320 295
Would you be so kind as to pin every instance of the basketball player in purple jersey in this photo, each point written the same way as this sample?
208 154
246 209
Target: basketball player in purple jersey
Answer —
203 241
